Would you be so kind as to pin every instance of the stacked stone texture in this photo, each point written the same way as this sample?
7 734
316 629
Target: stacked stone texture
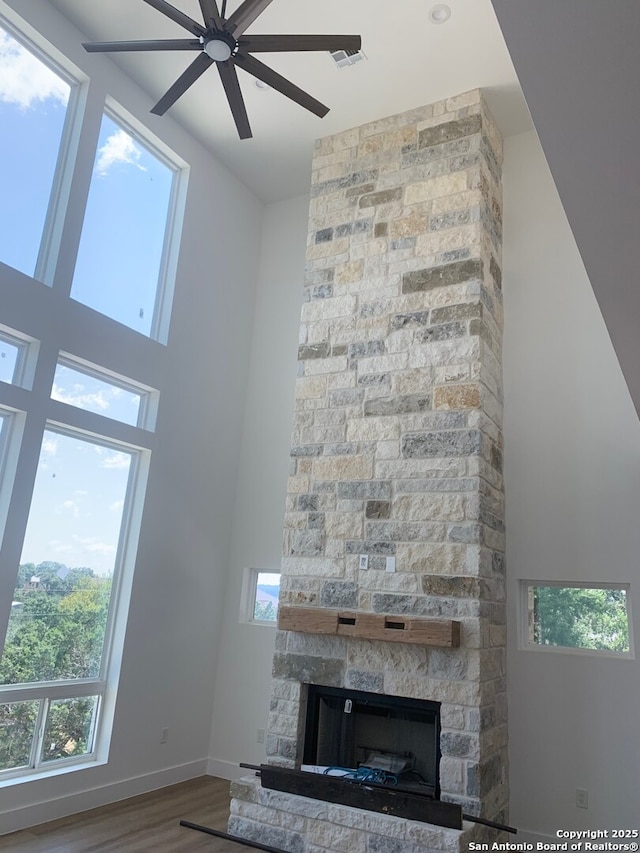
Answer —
302 825
397 442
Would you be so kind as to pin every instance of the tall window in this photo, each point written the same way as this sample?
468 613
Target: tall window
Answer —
76 433
33 110
63 589
119 264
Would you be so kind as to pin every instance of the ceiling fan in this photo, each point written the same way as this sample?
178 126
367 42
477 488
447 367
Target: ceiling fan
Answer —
222 40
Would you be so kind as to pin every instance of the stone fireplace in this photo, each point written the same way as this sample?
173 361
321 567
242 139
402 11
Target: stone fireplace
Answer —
394 515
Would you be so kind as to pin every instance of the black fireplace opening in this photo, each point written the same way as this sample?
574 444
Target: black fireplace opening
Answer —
388 740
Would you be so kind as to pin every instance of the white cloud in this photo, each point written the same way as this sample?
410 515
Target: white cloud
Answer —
49 446
59 547
94 545
25 80
73 506
116 506
76 397
118 148
115 459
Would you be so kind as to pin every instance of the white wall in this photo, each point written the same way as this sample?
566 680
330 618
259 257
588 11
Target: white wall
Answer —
572 468
572 463
243 681
177 602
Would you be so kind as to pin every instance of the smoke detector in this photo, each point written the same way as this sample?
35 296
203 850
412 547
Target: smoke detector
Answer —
440 13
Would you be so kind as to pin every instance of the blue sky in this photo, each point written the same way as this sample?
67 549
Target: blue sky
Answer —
123 235
77 505
32 111
80 485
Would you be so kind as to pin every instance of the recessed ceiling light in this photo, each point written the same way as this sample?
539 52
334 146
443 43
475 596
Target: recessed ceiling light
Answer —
260 84
440 13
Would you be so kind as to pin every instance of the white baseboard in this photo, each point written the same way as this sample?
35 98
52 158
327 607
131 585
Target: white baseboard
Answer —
225 769
58 807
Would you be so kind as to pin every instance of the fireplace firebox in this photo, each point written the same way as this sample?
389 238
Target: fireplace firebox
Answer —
390 740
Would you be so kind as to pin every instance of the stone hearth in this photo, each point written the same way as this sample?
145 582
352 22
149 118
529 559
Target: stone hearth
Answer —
397 450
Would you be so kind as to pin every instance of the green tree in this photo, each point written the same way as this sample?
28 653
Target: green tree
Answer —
265 611
25 572
17 723
68 728
83 619
580 617
57 633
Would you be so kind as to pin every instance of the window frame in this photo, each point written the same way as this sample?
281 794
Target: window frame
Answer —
525 642
248 594
149 397
22 344
28 405
159 328
46 691
52 227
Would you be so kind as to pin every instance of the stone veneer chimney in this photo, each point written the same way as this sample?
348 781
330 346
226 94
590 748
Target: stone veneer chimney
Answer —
397 449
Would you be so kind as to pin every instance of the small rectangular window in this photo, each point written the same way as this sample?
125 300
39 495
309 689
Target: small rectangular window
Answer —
576 616
97 393
68 731
10 352
17 727
120 260
265 607
260 596
18 355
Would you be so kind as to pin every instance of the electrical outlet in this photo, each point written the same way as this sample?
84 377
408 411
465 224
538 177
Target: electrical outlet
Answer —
582 798
164 735
364 561
391 564
260 736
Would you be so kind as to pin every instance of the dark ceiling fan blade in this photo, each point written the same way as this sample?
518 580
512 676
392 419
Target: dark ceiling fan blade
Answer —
211 13
177 16
229 77
157 44
197 67
245 15
277 81
264 44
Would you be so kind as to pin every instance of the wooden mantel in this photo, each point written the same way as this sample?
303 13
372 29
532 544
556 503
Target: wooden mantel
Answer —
444 633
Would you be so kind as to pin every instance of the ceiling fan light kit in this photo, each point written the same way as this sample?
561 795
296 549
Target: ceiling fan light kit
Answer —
220 46
222 41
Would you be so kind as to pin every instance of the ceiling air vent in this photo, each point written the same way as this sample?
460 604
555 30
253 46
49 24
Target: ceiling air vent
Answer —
342 58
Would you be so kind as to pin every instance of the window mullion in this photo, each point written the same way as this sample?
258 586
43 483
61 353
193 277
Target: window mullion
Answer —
52 690
62 185
36 746
22 443
78 161
25 444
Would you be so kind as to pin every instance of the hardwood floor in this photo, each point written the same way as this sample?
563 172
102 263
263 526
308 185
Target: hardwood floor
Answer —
149 823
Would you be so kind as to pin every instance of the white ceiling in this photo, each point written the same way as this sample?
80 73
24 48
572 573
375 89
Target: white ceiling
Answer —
410 62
